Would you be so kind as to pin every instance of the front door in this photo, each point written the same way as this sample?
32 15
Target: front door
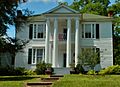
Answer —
64 60
65 33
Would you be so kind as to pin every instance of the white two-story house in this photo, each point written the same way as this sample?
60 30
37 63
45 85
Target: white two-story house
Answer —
58 36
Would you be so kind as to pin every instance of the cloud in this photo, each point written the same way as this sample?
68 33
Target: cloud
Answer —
45 1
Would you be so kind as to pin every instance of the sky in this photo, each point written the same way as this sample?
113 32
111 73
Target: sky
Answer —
38 6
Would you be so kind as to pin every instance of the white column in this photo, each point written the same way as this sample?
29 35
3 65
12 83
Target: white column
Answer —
68 42
55 44
47 41
76 41
50 53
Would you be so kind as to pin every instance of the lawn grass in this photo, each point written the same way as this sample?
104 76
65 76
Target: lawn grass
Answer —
88 81
18 81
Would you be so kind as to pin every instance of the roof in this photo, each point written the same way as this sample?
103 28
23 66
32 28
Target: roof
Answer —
95 17
63 7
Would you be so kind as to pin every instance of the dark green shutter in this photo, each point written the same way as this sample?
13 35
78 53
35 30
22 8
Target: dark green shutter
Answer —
29 56
97 31
30 31
98 53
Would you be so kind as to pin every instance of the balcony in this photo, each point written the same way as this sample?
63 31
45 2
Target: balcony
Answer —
63 37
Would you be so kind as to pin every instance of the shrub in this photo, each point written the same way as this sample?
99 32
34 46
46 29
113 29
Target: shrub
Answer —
79 69
110 70
42 66
29 72
20 71
7 71
11 71
91 72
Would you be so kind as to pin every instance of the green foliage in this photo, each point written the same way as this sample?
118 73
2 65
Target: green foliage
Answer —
7 14
41 67
72 65
116 40
48 65
79 69
10 71
62 3
91 72
110 70
29 72
91 6
88 57
115 8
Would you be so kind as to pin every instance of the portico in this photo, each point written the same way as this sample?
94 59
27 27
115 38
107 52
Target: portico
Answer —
69 18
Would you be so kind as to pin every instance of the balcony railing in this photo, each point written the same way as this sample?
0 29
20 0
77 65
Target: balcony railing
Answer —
63 37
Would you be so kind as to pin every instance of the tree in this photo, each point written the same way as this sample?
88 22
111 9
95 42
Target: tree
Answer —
8 10
115 8
89 57
91 6
7 14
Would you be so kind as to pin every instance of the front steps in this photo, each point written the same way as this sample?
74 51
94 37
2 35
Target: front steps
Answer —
61 71
45 82
52 79
39 84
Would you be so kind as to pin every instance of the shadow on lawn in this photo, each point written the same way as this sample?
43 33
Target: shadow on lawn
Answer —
16 78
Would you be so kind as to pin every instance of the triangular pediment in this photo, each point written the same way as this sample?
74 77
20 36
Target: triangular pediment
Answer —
62 9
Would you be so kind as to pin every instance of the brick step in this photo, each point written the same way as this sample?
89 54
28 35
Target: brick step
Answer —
50 79
39 84
56 75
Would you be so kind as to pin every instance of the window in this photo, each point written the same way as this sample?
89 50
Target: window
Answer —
90 31
37 31
35 55
87 30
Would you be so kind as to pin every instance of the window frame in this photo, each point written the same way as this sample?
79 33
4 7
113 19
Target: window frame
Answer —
35 37
34 58
93 30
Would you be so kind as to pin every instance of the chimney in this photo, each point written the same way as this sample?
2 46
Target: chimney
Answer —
110 14
19 13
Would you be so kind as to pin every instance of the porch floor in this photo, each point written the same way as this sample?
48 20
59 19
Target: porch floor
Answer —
61 71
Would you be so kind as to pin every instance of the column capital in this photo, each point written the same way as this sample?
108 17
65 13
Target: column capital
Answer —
48 18
55 18
68 18
76 18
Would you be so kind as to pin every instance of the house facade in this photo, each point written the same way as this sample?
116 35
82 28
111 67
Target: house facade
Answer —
59 35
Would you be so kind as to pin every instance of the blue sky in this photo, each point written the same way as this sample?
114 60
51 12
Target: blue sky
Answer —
38 6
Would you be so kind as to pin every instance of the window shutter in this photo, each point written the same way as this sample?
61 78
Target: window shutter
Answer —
30 31
29 56
97 31
98 51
